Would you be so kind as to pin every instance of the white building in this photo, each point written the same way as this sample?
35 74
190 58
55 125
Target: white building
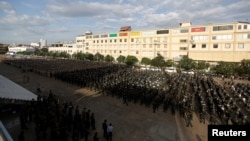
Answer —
33 44
43 43
20 48
229 42
69 47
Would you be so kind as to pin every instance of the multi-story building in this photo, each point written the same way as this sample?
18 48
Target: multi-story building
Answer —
43 43
228 42
13 48
3 48
65 46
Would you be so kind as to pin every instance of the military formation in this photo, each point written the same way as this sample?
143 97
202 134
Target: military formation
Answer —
177 93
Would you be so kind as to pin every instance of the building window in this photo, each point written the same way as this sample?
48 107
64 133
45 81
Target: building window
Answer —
120 40
137 52
193 45
120 51
248 36
110 41
240 45
183 41
221 28
137 41
245 26
223 37
115 40
227 45
176 31
105 41
101 41
183 48
132 40
199 38
93 41
215 45
125 40
162 32
184 30
97 41
239 27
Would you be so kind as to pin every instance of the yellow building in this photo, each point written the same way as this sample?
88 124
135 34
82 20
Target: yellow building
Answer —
228 42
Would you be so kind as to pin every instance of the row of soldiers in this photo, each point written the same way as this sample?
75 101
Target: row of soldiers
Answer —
218 103
181 93
56 121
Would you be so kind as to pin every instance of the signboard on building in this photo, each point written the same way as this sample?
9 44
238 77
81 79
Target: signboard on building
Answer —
113 35
123 34
135 33
198 29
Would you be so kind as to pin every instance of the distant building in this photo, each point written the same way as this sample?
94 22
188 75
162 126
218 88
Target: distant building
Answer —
64 46
35 44
13 48
3 48
43 43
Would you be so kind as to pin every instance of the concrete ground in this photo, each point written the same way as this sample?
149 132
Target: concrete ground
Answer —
131 123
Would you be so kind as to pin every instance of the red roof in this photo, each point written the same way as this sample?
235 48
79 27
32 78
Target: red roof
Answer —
125 28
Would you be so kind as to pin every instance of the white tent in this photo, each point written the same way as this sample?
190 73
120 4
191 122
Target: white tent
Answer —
11 90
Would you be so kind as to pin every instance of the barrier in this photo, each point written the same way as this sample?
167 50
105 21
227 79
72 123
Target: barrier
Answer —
4 134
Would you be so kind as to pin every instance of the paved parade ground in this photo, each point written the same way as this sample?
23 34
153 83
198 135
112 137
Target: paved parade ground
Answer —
132 122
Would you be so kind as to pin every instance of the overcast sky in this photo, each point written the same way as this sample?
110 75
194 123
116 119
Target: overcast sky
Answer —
26 21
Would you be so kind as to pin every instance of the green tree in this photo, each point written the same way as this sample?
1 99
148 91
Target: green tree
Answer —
186 63
109 58
37 51
226 68
169 63
55 54
131 60
158 61
244 68
79 55
145 61
44 51
98 57
121 59
202 65
64 54
90 56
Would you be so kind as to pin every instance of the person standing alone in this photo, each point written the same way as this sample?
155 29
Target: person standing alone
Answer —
104 127
110 131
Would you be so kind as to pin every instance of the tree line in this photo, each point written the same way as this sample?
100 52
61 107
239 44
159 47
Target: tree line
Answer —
184 64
